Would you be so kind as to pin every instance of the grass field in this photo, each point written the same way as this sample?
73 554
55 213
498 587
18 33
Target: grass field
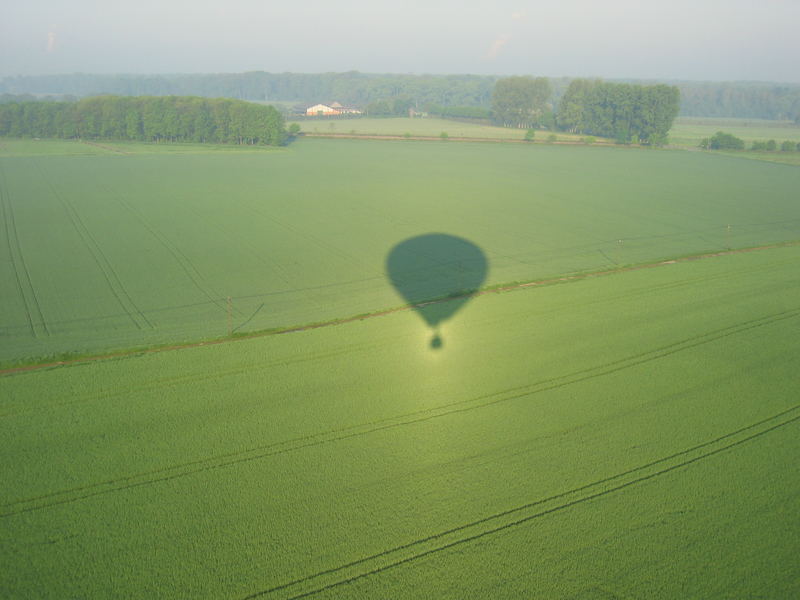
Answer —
629 434
147 248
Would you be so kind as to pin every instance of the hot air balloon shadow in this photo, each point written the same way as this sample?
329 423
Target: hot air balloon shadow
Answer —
437 274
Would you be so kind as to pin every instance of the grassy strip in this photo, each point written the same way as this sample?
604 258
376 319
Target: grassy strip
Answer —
72 358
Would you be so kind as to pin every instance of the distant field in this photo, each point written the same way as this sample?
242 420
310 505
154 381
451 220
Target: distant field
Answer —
422 127
35 147
690 131
118 250
628 436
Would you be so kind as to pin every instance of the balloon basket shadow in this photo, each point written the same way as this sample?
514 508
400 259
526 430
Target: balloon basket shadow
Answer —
436 341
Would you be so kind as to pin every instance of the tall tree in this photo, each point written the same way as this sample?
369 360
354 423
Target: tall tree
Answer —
520 101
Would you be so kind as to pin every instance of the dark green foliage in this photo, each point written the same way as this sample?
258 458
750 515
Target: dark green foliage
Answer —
458 112
151 119
759 146
529 135
626 112
520 101
787 146
349 88
379 108
722 141
772 145
743 100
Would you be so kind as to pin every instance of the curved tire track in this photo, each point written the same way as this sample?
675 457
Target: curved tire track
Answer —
189 468
375 564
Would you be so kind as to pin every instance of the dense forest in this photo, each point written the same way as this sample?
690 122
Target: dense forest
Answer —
351 88
152 119
622 111
698 99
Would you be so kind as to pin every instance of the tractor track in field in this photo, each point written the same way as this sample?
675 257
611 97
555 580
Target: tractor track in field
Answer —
382 313
181 470
183 261
104 265
21 272
466 533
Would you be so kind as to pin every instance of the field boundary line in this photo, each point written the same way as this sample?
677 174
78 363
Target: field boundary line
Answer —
109 148
221 461
520 515
381 313
438 138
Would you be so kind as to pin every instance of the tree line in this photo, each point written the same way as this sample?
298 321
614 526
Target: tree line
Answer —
698 99
622 111
146 118
350 88
742 100
727 141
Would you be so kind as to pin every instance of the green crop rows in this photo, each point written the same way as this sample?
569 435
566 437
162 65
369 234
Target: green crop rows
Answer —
626 435
127 250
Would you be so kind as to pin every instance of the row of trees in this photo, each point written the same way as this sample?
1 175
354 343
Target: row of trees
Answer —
350 88
742 100
698 99
622 111
728 141
152 119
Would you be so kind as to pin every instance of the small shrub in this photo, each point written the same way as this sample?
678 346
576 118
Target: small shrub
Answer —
724 141
552 138
406 135
772 145
589 139
529 135
759 146
444 135
787 146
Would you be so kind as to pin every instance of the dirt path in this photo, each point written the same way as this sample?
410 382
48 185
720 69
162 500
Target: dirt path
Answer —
109 148
496 290
436 138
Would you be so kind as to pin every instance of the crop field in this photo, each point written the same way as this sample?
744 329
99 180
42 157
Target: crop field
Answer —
124 250
627 436
398 126
625 427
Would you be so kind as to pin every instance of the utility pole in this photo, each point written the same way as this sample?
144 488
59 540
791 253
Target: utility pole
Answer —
230 317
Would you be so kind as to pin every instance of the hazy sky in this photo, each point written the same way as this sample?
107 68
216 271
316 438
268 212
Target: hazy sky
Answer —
660 39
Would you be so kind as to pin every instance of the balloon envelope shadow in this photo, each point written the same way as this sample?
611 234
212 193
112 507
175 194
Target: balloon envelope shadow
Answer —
437 274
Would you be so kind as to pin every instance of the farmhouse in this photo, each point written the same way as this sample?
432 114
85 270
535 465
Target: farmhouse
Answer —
334 108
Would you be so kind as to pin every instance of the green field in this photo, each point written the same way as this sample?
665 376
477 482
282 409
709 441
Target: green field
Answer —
624 435
689 131
146 248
